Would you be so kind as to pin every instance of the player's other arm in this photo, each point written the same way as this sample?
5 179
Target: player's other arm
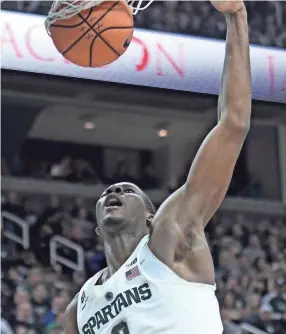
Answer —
192 206
71 317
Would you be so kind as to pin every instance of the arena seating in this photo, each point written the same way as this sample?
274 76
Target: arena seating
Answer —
59 243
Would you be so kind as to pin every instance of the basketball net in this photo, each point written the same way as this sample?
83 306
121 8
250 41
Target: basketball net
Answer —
64 9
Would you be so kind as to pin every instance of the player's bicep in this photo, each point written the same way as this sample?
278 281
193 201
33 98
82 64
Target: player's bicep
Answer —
211 173
71 317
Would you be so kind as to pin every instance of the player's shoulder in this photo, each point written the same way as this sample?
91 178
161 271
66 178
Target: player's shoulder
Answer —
72 306
71 316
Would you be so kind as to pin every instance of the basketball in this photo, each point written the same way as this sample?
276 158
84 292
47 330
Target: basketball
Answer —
96 36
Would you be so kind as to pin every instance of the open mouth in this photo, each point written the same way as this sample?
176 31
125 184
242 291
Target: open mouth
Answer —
112 200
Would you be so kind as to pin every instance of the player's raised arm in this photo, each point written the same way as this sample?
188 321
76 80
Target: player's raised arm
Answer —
234 102
194 204
212 169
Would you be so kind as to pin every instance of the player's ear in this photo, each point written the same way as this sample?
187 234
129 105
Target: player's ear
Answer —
149 220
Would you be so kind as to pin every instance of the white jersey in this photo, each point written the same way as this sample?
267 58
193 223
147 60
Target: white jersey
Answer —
146 297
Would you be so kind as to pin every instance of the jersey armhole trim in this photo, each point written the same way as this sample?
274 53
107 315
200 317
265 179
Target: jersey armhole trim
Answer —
183 281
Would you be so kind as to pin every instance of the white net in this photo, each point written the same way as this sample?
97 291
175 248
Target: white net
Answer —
64 9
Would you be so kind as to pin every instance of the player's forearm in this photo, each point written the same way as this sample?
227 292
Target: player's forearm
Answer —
235 92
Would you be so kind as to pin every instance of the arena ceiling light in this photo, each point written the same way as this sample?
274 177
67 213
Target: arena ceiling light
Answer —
162 133
162 130
89 125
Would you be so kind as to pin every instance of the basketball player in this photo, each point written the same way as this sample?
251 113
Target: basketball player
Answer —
160 274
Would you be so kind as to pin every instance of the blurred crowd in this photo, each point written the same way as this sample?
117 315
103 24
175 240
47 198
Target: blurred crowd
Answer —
250 261
82 171
267 19
249 255
35 293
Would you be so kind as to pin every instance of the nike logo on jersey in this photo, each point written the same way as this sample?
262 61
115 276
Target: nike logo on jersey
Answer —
132 262
84 299
122 300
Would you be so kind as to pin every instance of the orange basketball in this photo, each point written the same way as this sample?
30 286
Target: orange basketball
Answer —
95 37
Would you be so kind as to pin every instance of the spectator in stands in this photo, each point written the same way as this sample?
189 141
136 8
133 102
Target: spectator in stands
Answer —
59 304
21 296
61 170
239 233
34 278
276 300
14 204
231 308
56 326
253 303
39 300
14 277
263 320
253 251
25 329
25 316
73 171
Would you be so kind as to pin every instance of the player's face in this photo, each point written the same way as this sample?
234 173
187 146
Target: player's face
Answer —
120 205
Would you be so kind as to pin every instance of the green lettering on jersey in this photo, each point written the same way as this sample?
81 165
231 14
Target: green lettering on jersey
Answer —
85 329
145 291
132 296
107 312
121 301
100 319
92 324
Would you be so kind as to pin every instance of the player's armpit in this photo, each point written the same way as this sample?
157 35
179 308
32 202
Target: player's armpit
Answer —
71 317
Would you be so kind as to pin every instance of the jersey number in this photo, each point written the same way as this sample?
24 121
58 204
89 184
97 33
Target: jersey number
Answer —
121 328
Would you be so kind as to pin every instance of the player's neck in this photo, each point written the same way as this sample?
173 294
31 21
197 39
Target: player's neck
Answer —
119 248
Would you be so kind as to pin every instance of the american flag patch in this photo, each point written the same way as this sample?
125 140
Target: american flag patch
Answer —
132 273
